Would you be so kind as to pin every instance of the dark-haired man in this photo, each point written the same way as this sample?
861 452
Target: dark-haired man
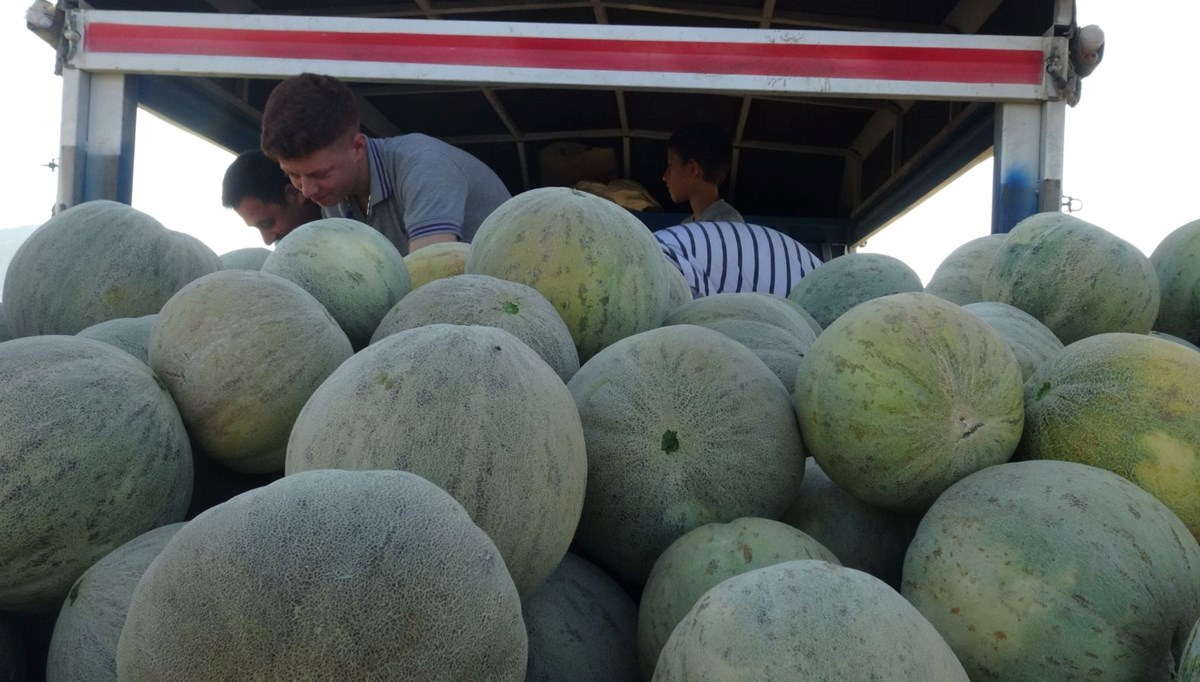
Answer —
698 160
262 196
414 189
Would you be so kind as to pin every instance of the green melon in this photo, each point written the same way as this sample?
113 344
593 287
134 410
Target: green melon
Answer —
1074 277
1189 663
1055 571
84 645
92 454
130 334
429 263
684 427
1176 261
959 277
1030 341
5 334
352 269
250 258
704 557
1129 403
808 318
906 394
241 352
472 409
327 575
766 324
593 260
866 538
488 302
98 261
842 283
1175 339
582 627
805 620
679 291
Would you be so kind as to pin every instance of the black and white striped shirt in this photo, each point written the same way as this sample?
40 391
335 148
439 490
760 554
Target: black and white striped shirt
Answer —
719 257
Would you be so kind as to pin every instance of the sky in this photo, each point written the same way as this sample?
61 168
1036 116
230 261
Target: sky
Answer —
1131 160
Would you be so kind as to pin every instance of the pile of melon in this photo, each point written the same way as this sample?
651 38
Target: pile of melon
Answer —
528 459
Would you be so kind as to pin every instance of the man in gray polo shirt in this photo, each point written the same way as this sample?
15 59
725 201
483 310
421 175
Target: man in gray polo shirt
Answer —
414 189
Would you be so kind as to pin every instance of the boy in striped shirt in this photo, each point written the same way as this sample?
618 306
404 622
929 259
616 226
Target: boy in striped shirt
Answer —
718 257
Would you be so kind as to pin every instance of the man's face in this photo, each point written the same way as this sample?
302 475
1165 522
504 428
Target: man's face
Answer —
680 177
274 221
327 176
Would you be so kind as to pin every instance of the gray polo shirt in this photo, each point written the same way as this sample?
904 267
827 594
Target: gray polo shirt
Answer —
421 186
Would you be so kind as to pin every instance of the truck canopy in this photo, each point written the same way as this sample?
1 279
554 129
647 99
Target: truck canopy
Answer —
844 113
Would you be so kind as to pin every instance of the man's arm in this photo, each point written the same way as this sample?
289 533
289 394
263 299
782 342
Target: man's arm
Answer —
421 242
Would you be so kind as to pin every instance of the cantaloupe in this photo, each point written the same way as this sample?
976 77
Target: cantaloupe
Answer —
959 277
768 325
862 537
1030 341
842 283
327 575
684 427
352 269
84 645
805 620
1175 339
444 259
1074 277
5 334
680 292
489 302
904 395
1189 662
92 453
1054 571
593 260
130 334
1129 403
582 626
704 557
245 259
475 411
98 261
1176 262
241 351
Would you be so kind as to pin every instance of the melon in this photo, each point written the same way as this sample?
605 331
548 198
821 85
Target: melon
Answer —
593 260
582 626
1074 277
1055 571
1175 339
241 352
684 427
351 268
679 291
250 258
336 575
84 644
862 537
1176 262
98 261
130 334
5 334
444 259
1030 341
93 453
906 394
475 411
704 557
1129 403
808 318
840 284
959 277
766 324
489 302
805 620
1189 663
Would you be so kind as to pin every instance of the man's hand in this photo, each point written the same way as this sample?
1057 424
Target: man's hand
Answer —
421 242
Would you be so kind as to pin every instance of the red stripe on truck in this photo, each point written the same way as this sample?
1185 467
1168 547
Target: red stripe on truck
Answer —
929 64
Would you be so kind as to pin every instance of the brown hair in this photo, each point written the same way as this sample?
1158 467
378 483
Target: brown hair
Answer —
305 113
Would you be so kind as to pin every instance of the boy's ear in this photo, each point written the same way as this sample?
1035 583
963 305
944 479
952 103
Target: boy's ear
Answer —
694 169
